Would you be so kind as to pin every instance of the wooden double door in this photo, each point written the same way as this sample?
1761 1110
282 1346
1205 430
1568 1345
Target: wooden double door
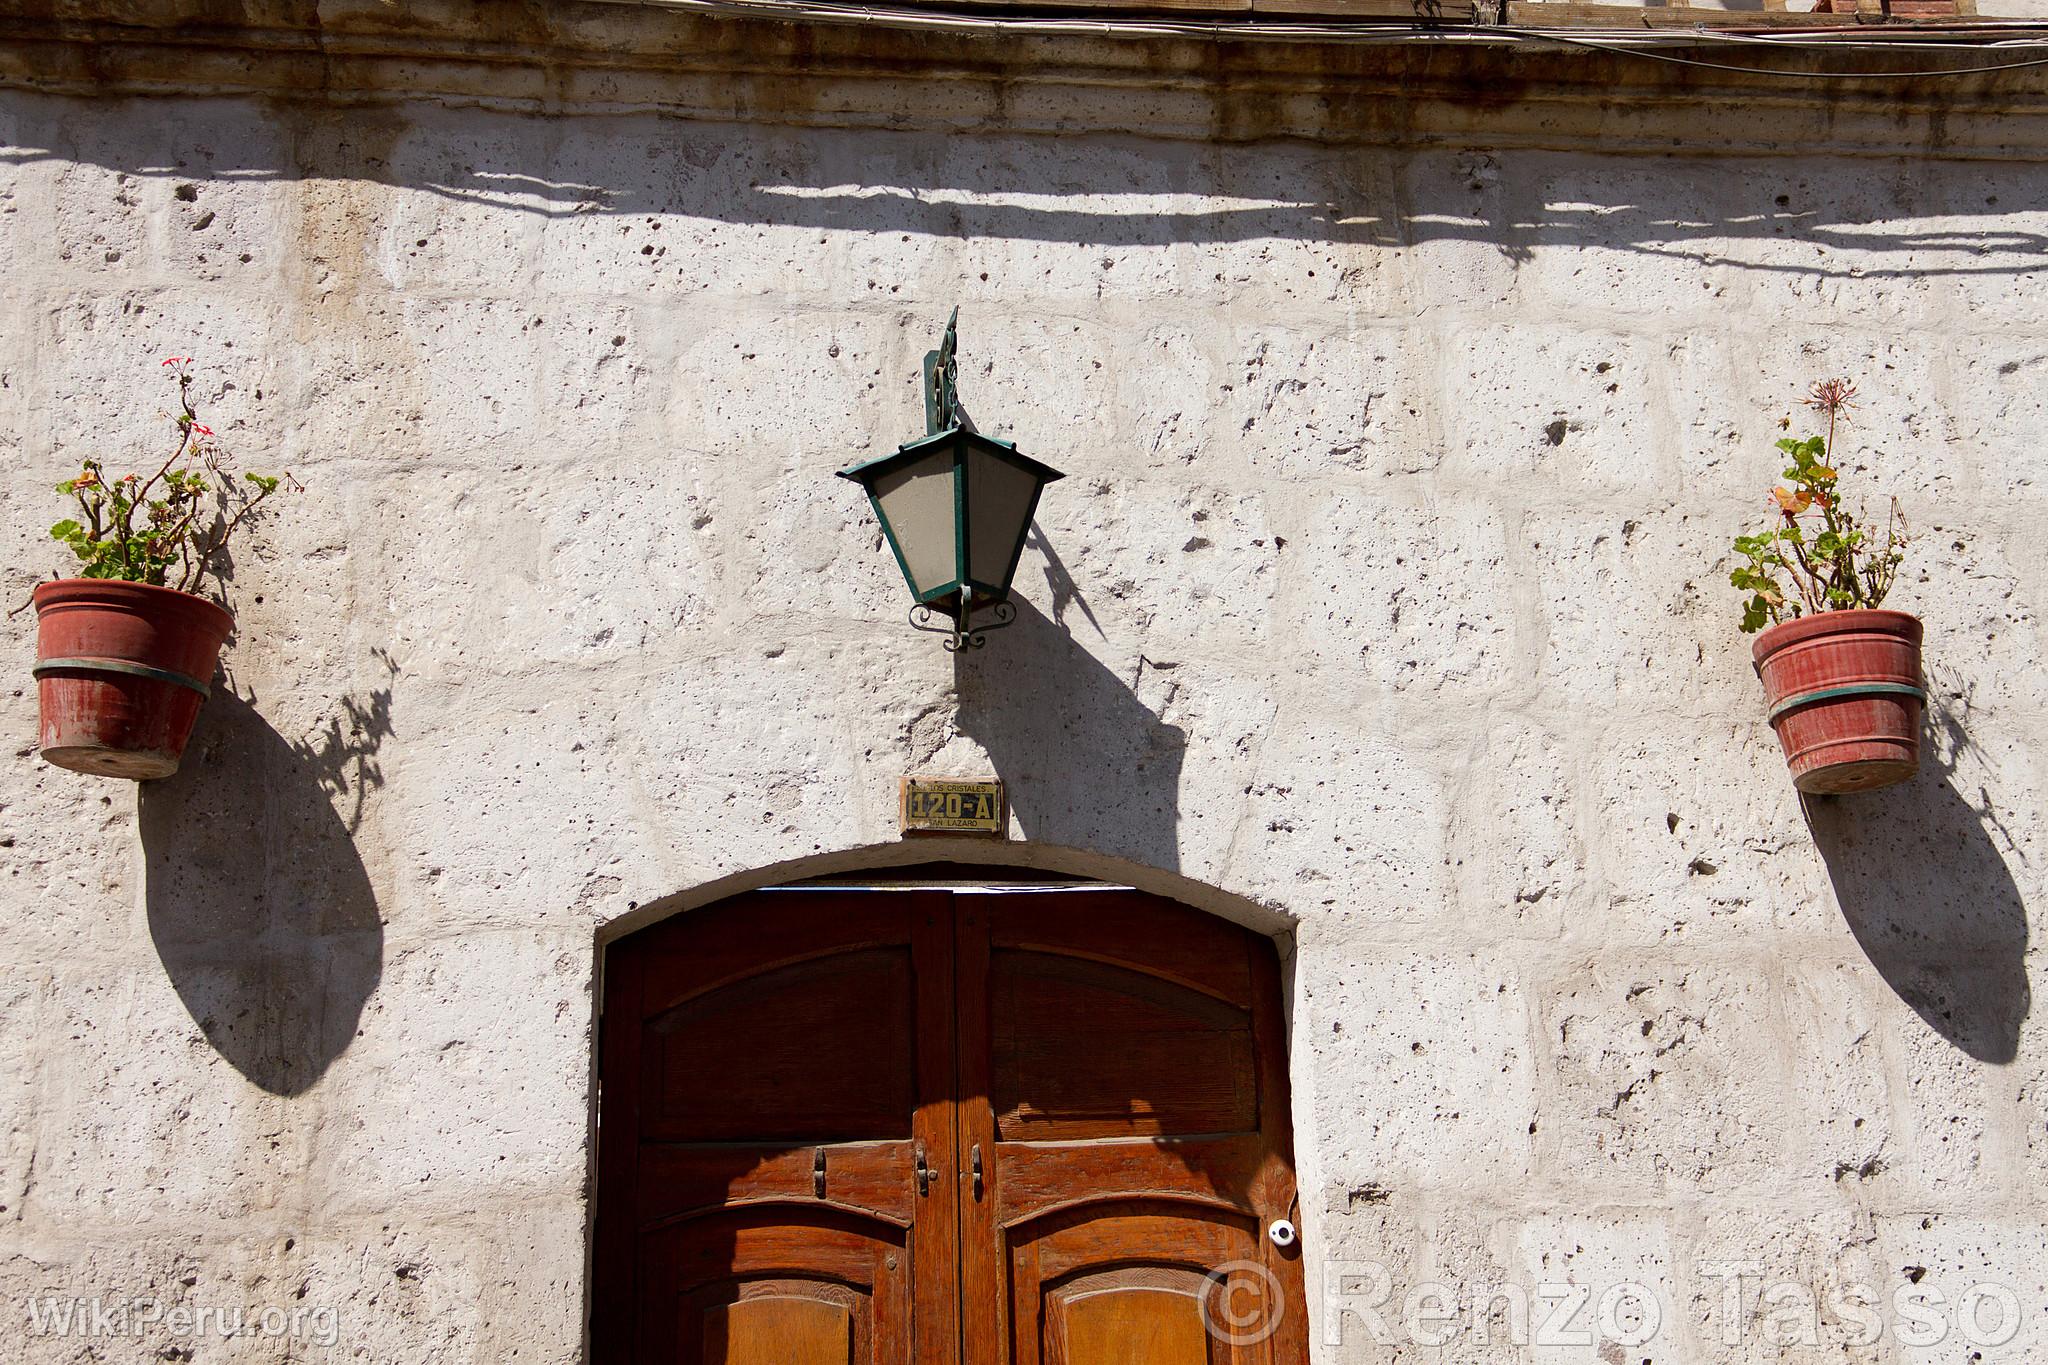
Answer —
1025 1128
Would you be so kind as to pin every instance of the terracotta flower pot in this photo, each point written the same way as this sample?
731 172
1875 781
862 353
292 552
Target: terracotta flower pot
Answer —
1845 697
121 670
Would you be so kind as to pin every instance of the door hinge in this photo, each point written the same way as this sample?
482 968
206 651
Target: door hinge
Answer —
976 1163
818 1172
924 1173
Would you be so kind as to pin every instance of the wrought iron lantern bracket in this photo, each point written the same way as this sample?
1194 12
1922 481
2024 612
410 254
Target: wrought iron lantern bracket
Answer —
942 381
955 507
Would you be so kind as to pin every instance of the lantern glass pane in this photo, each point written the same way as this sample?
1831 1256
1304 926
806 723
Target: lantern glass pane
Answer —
999 498
917 505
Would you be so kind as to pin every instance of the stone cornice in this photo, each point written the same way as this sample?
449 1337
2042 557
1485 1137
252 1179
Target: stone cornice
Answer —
1406 87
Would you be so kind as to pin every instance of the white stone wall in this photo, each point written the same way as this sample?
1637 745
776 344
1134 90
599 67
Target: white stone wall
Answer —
1384 606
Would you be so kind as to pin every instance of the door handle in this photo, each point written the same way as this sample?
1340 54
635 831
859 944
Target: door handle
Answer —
977 1170
924 1173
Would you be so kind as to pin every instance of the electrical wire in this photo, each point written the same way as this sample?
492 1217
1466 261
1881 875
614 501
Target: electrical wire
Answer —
1553 36
1625 43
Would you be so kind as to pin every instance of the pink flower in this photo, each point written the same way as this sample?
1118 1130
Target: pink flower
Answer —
203 431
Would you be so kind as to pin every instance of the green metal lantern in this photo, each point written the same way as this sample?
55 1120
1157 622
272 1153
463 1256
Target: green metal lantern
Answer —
955 507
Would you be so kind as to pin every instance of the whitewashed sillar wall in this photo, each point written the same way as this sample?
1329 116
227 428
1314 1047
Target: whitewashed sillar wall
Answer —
1385 598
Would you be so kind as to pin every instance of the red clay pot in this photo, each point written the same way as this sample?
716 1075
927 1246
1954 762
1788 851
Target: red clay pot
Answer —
121 670
1845 697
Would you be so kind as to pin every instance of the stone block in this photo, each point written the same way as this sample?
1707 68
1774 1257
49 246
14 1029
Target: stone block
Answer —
1402 594
1602 1286
481 365
1697 835
1981 618
140 1121
536 1257
1771 1283
1664 1078
468 1080
65 860
1343 825
1517 854
1170 563
1429 1082
1171 388
1963 1287
467 206
2000 386
1463 253
1637 610
20 1013
761 396
402 1291
1306 406
731 768
107 392
1837 1025
1589 228
162 1296
522 569
1557 405
454 784
1735 396
1959 1110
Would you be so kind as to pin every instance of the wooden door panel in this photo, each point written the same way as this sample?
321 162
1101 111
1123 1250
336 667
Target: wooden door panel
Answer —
1040 1179
815 1051
1122 1065
1131 930
1087 1049
874 1179
776 1285
773 1068
1112 1321
700 950
1130 1283
1092 1082
782 1325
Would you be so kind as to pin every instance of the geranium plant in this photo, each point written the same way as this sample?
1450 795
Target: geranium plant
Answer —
171 528
1818 555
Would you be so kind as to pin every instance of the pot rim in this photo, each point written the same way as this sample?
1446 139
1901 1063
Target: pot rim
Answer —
81 591
1840 621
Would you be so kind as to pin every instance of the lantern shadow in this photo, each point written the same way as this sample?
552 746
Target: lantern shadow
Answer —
259 905
1920 878
1084 761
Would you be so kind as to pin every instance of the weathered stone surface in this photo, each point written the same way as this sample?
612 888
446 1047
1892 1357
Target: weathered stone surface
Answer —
1400 593
1444 1088
1516 848
1385 603
1767 1283
1666 1078
1974 1286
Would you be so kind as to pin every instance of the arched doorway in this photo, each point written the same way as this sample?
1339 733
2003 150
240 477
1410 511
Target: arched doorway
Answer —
997 1127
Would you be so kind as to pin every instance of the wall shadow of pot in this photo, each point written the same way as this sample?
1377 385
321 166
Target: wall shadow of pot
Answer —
1084 762
1918 874
259 906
